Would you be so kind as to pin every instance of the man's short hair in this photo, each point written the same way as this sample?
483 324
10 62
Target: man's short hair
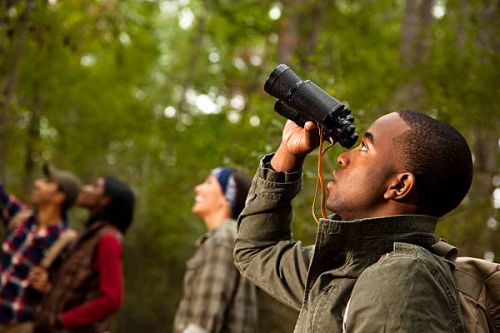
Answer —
440 159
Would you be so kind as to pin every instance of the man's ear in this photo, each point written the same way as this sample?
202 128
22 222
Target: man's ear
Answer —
400 186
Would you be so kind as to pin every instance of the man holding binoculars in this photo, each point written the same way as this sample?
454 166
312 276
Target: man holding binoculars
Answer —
370 269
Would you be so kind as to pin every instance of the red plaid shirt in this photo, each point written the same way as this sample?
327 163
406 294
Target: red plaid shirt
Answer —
23 249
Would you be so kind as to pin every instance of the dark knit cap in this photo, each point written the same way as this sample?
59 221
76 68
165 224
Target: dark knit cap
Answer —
235 185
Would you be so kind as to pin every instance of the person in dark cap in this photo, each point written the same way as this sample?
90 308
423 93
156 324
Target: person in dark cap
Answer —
29 234
216 297
88 286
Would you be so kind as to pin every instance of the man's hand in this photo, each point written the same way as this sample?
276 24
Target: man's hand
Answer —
39 279
296 143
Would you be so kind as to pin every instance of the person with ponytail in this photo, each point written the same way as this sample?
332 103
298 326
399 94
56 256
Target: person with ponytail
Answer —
216 297
88 285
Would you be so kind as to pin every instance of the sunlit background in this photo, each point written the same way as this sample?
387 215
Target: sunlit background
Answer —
160 92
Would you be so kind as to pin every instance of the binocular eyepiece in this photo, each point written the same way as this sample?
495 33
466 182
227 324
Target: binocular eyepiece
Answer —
302 101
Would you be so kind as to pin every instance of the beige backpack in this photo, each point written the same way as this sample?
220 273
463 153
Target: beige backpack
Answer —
478 286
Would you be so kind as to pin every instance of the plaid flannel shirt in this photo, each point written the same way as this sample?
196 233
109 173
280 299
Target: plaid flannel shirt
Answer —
23 249
216 297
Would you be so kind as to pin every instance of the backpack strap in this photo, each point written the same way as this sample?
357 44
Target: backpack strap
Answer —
18 218
471 274
468 283
478 285
55 249
445 250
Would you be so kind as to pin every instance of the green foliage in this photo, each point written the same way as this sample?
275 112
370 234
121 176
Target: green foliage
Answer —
160 92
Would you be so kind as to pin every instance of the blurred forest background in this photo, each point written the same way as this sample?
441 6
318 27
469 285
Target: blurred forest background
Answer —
160 92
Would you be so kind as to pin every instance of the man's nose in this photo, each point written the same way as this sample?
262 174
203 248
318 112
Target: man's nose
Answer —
343 159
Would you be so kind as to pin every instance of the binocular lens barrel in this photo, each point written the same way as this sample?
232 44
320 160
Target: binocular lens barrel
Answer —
302 101
281 81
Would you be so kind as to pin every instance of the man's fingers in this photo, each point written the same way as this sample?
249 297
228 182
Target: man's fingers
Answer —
311 135
309 126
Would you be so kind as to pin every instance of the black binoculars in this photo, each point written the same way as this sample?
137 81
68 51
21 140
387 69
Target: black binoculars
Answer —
302 101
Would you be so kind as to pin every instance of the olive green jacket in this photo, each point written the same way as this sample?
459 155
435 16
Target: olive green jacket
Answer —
378 266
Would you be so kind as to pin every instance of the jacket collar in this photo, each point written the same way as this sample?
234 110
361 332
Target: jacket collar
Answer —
360 243
398 227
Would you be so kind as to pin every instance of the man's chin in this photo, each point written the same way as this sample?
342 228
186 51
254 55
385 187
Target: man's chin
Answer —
334 208
195 211
330 206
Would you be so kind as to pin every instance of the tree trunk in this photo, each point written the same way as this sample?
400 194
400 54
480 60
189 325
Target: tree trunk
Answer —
416 33
32 143
299 32
10 82
486 145
288 32
197 46
476 30
416 40
311 34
